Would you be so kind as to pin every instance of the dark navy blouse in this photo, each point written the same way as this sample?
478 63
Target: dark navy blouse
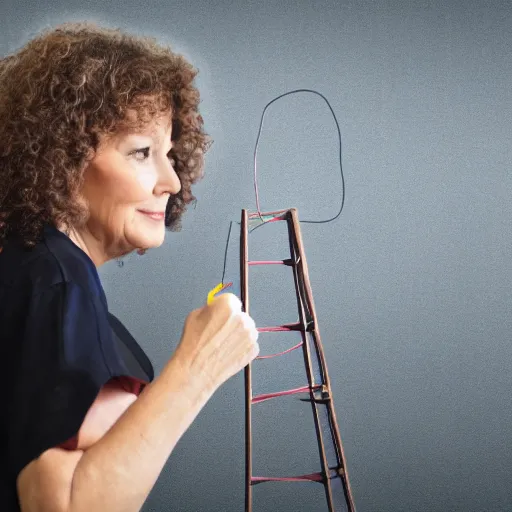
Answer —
58 346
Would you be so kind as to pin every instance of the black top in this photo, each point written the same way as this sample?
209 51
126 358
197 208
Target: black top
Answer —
58 346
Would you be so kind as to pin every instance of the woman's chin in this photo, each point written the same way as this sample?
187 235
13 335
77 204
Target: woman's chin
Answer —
146 233
149 242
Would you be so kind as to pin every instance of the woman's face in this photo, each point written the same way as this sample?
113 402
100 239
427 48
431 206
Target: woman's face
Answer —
127 186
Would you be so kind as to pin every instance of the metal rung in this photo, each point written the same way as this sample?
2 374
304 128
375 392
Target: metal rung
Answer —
268 396
312 477
281 328
288 262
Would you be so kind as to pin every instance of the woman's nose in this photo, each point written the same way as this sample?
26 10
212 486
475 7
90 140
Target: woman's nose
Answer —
174 182
168 180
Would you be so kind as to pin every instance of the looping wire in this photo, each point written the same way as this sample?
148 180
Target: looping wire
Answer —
258 208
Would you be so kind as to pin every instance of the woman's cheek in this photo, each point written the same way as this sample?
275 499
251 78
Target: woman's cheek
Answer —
147 181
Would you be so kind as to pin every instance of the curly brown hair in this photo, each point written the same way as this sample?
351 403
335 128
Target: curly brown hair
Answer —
65 90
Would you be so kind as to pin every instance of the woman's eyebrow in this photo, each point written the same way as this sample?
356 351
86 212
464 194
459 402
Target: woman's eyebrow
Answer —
161 140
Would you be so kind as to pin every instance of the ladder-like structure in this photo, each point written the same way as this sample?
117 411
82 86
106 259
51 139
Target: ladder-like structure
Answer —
334 474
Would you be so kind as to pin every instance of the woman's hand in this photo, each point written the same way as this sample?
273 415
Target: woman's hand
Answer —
218 341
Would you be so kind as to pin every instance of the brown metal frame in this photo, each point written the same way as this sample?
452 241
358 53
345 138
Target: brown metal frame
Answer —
308 325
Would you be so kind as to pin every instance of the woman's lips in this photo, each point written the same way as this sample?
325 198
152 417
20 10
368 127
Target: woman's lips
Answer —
153 215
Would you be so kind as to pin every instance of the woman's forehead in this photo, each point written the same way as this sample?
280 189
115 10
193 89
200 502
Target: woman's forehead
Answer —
139 117
157 127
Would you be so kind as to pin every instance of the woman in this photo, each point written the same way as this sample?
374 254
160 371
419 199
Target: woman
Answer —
100 142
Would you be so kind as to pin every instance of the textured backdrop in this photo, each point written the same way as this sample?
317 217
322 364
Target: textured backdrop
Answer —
412 283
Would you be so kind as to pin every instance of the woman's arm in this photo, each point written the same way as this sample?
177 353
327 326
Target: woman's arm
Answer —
118 471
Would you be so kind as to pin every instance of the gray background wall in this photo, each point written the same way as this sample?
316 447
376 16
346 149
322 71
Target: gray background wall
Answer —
412 283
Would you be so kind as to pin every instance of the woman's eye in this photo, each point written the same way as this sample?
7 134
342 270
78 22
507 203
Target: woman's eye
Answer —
141 154
171 158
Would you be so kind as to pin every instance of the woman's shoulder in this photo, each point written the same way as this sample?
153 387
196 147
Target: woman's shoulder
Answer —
52 261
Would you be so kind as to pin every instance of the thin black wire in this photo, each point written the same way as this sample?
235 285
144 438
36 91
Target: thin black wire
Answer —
226 252
255 179
340 149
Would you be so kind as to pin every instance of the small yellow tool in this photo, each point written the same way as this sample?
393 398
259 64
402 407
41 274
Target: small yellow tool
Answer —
217 289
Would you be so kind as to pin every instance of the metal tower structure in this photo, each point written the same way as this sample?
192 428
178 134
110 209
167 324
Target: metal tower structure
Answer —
333 475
